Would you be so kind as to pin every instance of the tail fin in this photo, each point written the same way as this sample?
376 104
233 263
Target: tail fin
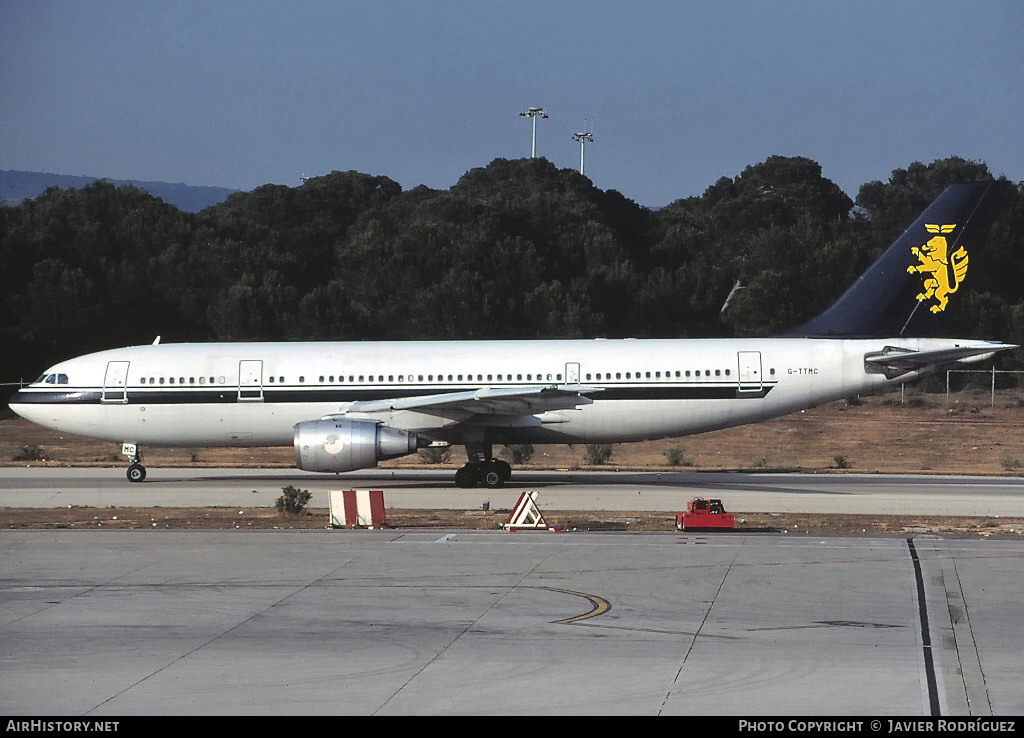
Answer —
907 290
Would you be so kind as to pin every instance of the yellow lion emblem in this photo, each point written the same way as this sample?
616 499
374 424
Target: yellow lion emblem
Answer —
947 272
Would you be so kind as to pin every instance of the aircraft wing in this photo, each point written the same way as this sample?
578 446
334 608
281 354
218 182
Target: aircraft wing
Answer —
899 359
508 401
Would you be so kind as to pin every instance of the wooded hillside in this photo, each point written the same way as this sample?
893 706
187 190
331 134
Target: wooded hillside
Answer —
516 249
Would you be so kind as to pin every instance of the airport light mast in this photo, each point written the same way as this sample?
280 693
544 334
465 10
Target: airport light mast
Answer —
584 138
534 113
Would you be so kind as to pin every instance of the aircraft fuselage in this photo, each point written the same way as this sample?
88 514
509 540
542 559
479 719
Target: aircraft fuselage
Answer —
253 394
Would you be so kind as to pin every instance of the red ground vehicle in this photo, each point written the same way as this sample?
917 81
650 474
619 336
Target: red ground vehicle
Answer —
703 514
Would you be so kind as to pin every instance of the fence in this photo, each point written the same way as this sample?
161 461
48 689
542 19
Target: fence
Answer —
993 372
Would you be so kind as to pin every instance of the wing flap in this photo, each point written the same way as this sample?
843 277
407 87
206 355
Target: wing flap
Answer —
484 401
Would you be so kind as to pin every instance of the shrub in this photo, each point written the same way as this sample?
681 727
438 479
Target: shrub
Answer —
292 500
518 453
841 462
436 455
598 453
27 452
675 457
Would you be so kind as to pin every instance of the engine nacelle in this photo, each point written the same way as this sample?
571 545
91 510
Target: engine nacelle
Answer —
344 445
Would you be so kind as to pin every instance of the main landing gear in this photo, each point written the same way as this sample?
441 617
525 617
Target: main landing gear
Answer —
482 470
136 471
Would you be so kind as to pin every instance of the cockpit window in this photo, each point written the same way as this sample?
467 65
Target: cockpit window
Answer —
62 379
51 378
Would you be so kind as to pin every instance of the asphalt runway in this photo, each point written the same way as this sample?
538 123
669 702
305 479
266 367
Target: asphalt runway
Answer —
877 494
97 623
391 622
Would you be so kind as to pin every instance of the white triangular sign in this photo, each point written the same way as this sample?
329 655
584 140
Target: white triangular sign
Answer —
526 515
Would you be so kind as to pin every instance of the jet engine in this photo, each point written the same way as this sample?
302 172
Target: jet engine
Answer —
344 445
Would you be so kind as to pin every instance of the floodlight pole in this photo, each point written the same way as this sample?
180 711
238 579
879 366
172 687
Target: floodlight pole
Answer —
534 113
583 138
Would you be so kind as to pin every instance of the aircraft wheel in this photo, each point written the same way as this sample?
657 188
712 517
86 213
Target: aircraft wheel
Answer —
136 473
493 478
504 468
465 478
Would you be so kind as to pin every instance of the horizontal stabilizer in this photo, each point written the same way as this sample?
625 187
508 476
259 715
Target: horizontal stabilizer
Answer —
901 359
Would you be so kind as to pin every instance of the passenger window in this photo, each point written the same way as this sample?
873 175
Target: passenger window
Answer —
271 380
171 380
321 379
161 380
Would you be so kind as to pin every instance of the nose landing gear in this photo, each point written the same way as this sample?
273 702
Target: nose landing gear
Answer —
136 471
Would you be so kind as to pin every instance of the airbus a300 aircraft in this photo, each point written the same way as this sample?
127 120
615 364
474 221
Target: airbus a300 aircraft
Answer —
346 406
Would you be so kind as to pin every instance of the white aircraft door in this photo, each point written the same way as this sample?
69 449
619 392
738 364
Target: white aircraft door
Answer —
749 371
115 382
572 373
250 380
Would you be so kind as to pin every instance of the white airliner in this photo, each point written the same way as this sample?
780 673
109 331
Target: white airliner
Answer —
346 406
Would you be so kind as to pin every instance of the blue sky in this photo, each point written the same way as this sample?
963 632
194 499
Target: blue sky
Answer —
238 93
